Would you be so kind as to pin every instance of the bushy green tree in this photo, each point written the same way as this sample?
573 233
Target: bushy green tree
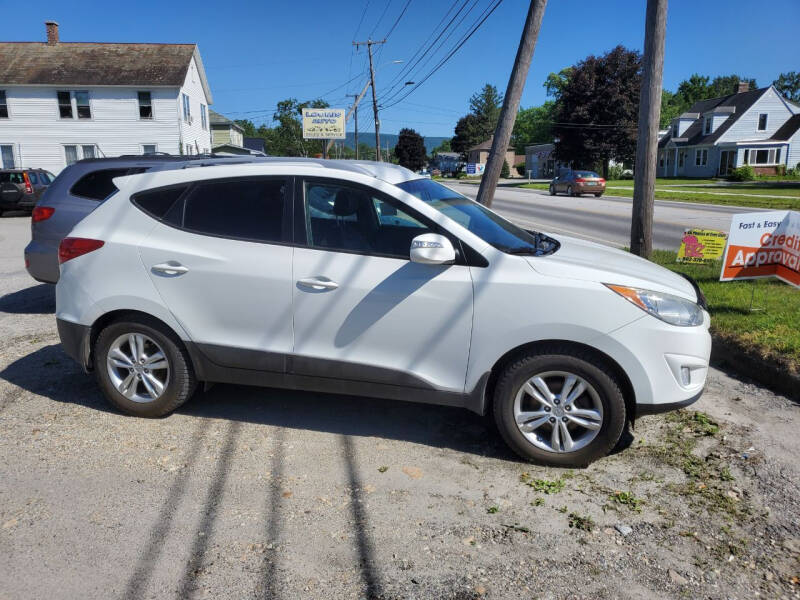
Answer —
596 111
470 131
410 149
445 146
533 125
788 84
505 171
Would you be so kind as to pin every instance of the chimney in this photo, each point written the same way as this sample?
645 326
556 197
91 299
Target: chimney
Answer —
52 32
744 86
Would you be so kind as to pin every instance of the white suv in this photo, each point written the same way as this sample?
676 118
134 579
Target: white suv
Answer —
362 278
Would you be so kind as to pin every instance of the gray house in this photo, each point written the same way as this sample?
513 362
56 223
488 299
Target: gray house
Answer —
751 127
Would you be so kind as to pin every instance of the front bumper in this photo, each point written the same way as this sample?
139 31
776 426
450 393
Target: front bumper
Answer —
75 341
666 365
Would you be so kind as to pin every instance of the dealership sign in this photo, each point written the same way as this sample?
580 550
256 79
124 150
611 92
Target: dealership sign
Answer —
323 123
764 244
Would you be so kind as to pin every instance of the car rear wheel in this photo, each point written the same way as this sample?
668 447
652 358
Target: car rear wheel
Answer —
598 195
561 407
552 190
569 191
142 368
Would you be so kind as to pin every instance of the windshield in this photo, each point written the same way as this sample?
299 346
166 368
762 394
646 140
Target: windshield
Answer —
490 227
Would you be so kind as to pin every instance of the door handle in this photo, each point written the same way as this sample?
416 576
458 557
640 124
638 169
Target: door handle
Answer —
171 268
318 284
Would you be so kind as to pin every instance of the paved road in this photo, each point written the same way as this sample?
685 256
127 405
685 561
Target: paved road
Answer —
605 220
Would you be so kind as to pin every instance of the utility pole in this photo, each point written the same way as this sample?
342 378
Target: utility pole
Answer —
647 144
369 43
508 114
356 98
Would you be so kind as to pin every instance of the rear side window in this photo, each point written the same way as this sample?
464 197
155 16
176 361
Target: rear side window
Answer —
99 185
245 209
158 202
33 177
11 177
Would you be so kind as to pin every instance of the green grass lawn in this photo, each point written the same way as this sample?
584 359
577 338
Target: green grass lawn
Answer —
774 331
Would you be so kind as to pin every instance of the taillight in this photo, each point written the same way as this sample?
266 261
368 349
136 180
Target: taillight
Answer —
580 180
602 180
28 186
42 213
70 248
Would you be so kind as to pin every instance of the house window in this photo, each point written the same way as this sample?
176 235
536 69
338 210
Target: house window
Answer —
777 156
187 111
762 122
148 148
675 130
145 105
203 117
771 156
65 106
746 156
707 126
82 104
3 105
7 156
701 157
74 152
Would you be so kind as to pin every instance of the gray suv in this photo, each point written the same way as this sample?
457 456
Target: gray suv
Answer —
21 188
80 188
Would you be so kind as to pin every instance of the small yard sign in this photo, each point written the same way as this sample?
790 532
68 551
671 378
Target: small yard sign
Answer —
764 244
701 245
323 123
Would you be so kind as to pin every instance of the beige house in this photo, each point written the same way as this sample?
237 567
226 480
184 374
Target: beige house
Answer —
225 132
480 155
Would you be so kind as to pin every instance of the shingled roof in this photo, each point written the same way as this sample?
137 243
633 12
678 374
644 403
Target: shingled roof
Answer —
89 64
788 129
734 104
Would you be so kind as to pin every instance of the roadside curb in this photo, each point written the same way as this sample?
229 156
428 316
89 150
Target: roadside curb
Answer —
769 372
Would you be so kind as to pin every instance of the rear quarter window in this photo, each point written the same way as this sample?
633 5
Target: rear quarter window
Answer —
157 203
99 185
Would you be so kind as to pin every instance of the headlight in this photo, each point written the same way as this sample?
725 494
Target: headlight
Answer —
670 309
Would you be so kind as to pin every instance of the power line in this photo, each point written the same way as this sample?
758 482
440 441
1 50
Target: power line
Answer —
450 55
383 14
400 16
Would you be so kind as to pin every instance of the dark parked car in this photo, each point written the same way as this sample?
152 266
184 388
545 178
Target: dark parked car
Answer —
575 183
21 188
80 188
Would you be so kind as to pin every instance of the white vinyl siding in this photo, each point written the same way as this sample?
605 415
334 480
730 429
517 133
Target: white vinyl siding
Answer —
191 130
746 126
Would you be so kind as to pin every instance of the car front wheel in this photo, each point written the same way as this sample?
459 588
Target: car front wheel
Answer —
142 368
562 407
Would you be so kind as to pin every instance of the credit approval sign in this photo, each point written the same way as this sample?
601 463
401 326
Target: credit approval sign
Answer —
764 244
323 123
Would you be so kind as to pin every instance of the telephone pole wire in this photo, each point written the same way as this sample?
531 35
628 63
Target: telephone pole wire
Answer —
356 98
369 43
647 144
508 114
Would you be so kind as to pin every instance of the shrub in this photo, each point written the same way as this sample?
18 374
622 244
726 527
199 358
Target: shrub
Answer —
780 170
461 175
520 167
505 172
743 173
615 171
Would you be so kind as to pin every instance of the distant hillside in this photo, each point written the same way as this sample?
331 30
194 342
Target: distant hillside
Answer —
368 137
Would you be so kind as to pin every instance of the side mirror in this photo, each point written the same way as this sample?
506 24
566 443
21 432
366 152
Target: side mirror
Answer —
432 249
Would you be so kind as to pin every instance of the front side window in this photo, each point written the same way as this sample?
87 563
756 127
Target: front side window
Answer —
145 105
479 220
250 210
64 105
82 104
762 122
7 156
3 105
187 109
351 219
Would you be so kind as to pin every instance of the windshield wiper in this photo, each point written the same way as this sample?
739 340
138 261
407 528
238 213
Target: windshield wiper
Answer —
522 250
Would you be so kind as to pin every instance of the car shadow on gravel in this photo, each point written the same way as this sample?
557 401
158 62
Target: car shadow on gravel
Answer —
51 373
35 300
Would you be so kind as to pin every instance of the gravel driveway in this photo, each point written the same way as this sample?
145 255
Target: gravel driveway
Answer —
258 493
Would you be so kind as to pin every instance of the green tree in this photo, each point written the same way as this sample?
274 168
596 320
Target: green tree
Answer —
533 125
505 171
788 84
410 149
728 84
596 112
445 146
248 126
286 138
556 82
470 131
486 105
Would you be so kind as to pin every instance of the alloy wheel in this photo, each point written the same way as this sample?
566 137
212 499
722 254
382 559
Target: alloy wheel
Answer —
558 411
138 367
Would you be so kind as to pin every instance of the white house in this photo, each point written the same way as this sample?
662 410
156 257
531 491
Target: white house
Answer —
751 127
64 101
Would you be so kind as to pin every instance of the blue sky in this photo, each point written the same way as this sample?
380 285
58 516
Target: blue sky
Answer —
257 53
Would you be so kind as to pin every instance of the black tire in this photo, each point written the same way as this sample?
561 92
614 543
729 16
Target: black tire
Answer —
180 385
572 360
552 190
597 195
